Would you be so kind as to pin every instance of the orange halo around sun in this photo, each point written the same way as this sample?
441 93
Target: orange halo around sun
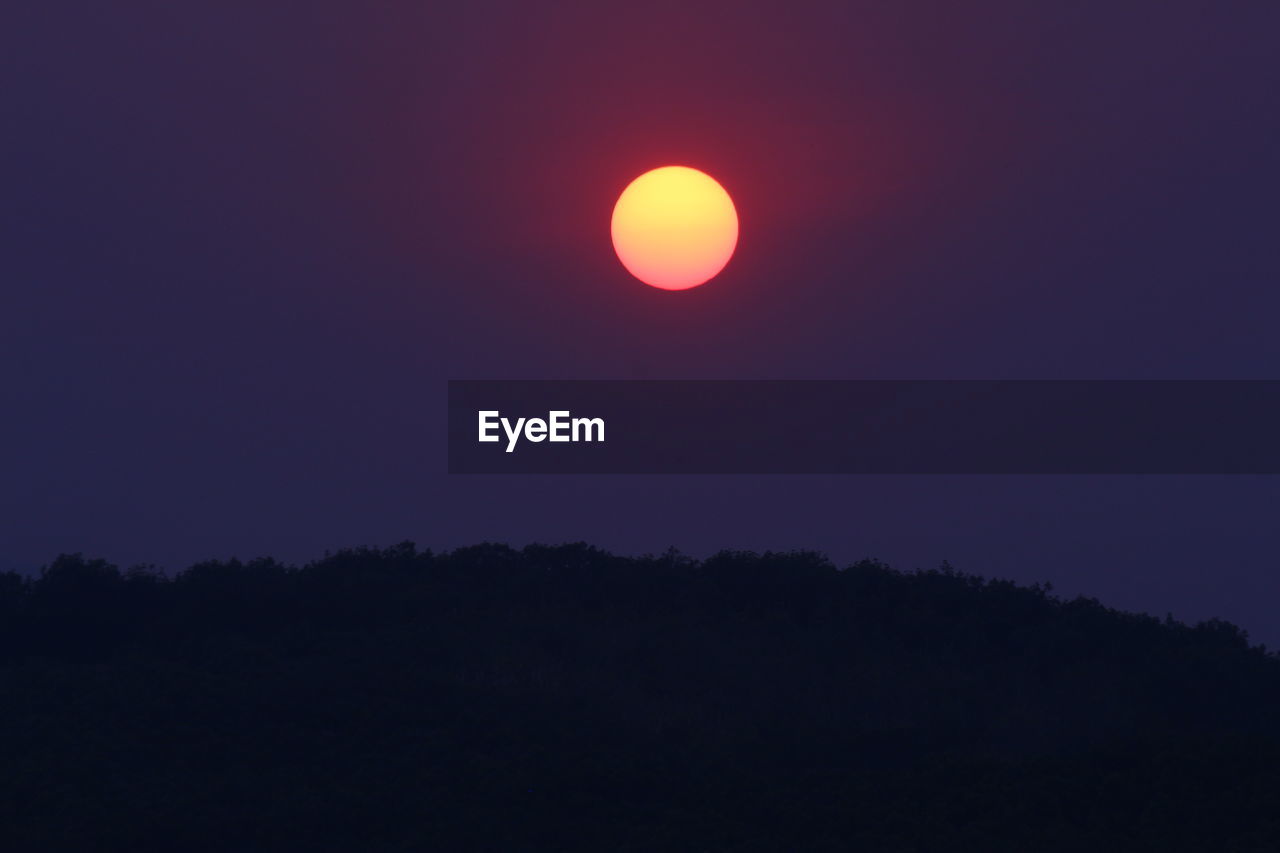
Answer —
674 227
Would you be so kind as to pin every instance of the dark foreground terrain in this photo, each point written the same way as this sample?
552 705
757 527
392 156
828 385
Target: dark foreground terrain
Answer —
563 698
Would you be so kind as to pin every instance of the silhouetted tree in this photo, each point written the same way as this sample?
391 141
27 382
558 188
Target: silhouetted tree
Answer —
557 698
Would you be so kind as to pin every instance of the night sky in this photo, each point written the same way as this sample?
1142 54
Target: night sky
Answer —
245 245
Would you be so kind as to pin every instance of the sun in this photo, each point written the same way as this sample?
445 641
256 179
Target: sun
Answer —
674 228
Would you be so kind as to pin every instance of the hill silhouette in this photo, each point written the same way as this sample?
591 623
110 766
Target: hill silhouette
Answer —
563 698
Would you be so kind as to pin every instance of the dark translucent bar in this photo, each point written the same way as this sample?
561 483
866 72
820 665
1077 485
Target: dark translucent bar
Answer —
878 427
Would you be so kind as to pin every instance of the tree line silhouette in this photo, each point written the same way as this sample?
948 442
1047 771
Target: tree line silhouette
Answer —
564 698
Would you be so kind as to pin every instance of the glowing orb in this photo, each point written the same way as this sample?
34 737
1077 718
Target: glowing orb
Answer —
674 227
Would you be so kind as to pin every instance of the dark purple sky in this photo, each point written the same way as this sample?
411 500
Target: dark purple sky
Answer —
245 244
